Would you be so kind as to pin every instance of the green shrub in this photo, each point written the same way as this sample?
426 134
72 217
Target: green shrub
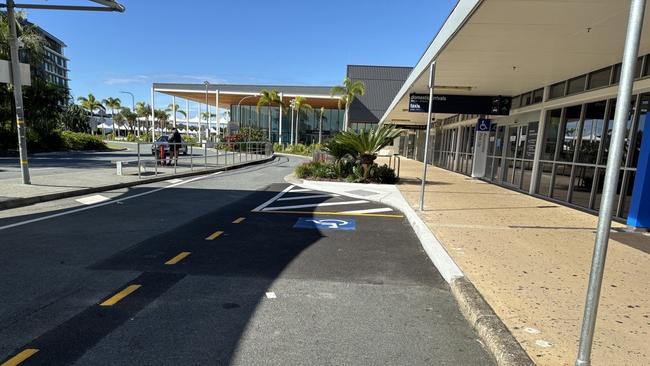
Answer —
82 141
382 174
306 170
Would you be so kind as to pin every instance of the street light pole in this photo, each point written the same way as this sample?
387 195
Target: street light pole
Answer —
432 77
133 108
18 92
207 114
614 158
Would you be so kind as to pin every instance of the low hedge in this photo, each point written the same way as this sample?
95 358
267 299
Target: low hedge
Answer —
82 141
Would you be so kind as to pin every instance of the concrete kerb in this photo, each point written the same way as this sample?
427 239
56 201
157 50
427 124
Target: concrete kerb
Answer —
491 330
20 202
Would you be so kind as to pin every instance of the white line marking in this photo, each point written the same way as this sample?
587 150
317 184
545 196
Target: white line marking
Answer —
91 200
270 295
370 210
307 197
174 180
314 205
544 344
118 200
301 190
260 207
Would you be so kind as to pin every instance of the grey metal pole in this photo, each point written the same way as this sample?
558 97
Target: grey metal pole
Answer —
174 109
18 92
432 75
139 168
153 116
635 22
187 117
280 122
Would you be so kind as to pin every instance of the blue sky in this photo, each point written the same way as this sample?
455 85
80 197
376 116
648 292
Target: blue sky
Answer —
263 42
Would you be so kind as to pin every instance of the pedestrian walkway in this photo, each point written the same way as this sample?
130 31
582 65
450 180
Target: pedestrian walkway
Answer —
530 259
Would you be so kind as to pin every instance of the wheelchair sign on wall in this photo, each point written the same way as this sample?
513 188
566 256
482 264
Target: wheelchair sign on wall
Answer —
325 224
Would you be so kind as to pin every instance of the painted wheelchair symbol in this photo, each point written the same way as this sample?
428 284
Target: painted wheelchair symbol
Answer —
330 223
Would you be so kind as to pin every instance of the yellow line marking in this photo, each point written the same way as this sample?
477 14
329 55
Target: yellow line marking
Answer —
120 295
215 235
331 213
19 358
177 258
239 220
23 162
20 122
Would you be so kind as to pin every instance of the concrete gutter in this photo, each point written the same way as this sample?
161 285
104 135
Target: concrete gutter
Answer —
489 327
20 202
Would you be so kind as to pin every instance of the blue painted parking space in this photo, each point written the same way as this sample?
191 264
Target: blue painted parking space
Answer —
325 224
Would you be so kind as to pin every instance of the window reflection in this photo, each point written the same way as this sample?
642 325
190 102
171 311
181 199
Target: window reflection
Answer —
570 133
550 134
562 181
592 131
582 183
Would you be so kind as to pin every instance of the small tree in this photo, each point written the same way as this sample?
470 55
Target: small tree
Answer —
346 93
112 104
300 103
269 98
367 144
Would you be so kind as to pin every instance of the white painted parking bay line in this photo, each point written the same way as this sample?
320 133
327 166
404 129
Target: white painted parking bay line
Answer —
301 190
174 180
271 295
370 210
91 200
260 207
314 205
307 197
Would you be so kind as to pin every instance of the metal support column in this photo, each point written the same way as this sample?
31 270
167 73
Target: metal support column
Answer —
153 116
174 109
18 92
630 52
280 122
216 100
432 76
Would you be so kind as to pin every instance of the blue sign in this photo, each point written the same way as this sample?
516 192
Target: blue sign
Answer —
325 224
483 125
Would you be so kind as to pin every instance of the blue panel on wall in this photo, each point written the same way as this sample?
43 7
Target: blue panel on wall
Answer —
639 215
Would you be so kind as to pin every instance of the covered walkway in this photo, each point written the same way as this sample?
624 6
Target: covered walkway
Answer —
532 266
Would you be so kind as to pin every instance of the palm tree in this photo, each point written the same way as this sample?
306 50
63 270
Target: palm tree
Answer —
347 92
91 104
143 109
112 104
367 144
298 104
130 117
206 116
269 98
320 125
175 108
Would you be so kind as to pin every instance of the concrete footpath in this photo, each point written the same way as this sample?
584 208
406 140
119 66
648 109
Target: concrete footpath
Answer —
530 260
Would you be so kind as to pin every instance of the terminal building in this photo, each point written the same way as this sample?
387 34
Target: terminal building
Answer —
382 83
558 65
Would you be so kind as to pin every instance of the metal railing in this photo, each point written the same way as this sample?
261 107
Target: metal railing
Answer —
154 159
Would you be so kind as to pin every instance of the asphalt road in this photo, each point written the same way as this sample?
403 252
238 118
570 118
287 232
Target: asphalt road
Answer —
236 268
66 162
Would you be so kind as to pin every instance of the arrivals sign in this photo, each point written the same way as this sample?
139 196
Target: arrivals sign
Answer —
467 104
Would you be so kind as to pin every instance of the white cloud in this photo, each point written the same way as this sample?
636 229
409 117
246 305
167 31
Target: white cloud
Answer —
161 78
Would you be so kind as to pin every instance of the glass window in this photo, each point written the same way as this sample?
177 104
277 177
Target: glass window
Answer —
499 141
544 186
538 95
576 85
512 141
600 176
569 133
521 141
627 199
582 183
526 99
515 102
561 185
599 78
592 131
638 138
557 90
610 125
550 134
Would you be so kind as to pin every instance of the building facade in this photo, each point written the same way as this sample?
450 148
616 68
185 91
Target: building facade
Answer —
554 141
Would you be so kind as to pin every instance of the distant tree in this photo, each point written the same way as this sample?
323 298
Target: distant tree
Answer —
175 107
90 104
143 110
268 98
300 104
112 104
74 118
347 93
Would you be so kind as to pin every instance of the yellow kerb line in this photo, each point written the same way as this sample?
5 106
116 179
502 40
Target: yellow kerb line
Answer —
239 220
23 162
331 213
177 258
19 358
214 236
120 295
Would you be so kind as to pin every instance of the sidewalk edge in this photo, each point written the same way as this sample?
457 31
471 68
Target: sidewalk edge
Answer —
27 201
